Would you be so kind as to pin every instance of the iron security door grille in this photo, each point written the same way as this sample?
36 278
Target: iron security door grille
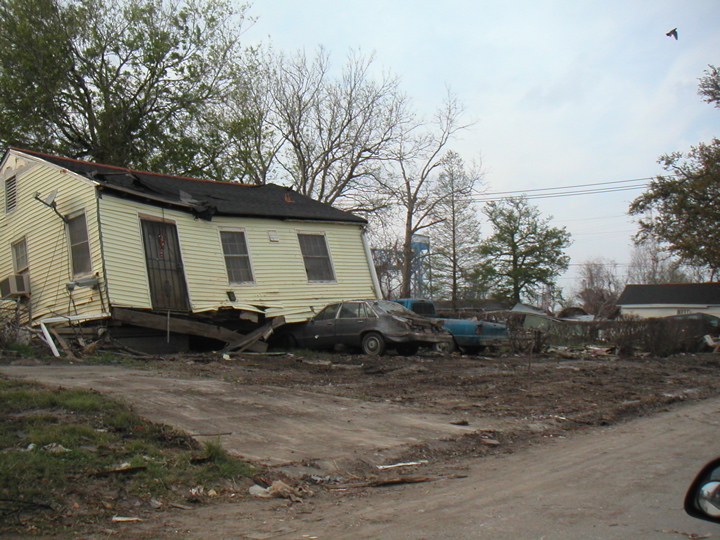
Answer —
165 270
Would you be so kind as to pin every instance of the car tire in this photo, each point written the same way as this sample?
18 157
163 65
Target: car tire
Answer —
445 347
373 344
408 349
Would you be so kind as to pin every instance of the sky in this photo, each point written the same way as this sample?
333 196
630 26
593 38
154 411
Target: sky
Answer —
561 93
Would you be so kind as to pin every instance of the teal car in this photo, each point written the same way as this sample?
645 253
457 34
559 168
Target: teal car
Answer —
469 336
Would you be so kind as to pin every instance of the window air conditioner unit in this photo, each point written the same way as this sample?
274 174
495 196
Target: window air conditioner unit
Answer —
15 285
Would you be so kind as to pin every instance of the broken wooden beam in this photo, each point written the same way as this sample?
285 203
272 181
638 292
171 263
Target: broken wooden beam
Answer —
263 332
181 326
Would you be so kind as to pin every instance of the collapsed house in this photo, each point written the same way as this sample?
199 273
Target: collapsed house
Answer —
164 263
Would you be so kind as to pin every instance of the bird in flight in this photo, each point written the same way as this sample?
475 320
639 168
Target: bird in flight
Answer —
672 33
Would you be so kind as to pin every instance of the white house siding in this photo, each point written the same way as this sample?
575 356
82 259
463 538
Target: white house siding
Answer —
280 284
46 235
651 311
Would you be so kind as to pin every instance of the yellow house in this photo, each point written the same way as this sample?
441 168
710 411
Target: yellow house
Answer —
112 249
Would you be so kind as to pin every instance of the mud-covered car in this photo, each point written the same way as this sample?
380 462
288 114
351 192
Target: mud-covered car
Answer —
371 325
470 336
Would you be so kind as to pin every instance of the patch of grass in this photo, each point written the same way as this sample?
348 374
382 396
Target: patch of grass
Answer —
23 349
64 456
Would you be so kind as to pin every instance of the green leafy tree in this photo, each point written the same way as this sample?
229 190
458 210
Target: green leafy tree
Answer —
525 255
710 86
135 84
681 210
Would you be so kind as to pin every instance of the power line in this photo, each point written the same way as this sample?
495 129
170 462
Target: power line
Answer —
564 193
569 187
567 191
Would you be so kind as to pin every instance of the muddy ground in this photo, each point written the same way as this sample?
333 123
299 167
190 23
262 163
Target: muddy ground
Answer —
535 400
535 397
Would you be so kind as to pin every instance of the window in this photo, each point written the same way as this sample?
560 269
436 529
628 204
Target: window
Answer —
10 194
19 253
353 310
327 313
316 256
79 245
237 259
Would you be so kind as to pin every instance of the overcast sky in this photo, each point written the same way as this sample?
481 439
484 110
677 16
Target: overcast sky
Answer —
563 93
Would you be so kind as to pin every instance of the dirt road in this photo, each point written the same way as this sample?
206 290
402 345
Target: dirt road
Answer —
557 472
268 424
623 482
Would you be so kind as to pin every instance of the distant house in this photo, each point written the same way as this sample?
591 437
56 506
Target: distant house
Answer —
647 301
128 249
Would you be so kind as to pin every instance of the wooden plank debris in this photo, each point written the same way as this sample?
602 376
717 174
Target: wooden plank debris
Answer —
183 326
248 340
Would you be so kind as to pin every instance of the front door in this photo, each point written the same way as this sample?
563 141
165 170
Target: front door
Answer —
165 269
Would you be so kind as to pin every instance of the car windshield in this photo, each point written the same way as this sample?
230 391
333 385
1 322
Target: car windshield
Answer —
385 306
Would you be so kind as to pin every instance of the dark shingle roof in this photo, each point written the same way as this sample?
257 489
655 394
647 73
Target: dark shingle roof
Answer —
204 198
671 293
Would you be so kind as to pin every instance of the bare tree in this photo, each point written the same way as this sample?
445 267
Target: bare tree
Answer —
651 265
601 286
457 236
411 184
336 133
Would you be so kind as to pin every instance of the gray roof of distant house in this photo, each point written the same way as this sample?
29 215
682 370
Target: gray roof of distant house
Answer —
203 198
671 293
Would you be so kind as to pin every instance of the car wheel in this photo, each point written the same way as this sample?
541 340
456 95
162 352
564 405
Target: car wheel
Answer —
445 347
408 349
373 343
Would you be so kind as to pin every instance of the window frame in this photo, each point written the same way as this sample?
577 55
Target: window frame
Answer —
314 258
240 256
18 268
74 247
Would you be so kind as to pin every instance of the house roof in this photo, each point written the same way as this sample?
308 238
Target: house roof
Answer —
671 293
204 198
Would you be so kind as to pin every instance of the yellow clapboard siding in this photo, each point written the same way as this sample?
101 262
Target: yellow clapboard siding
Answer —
117 253
46 235
278 270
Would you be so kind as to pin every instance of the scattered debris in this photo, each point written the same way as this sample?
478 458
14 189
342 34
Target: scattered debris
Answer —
181 506
489 442
55 448
278 490
120 519
379 482
123 469
406 464
328 479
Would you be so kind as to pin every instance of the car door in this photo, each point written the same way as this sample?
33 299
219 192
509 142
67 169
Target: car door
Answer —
351 321
319 332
